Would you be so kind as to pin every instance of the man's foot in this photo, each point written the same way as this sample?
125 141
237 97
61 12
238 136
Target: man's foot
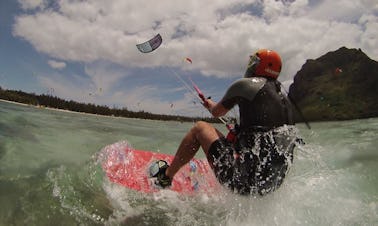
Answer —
157 169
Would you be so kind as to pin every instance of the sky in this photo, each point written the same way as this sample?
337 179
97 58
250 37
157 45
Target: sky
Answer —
85 50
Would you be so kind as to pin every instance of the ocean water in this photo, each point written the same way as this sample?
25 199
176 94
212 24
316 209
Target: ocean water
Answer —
50 175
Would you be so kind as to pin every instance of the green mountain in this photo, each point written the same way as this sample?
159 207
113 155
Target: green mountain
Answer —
339 85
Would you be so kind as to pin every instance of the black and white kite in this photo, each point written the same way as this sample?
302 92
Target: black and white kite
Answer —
150 45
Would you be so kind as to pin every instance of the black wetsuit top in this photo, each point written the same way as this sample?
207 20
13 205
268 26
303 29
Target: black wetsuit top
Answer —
261 103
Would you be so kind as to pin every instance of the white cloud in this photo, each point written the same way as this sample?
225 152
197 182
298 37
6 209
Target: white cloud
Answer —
69 88
219 42
31 4
56 64
219 35
104 76
369 36
342 10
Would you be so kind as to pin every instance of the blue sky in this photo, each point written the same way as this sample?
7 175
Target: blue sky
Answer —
85 50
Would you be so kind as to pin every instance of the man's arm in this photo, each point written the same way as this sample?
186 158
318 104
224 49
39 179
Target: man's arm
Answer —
216 109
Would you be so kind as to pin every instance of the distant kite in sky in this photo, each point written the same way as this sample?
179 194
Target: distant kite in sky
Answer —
188 60
150 45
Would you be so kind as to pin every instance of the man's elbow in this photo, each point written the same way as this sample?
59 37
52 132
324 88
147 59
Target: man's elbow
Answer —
219 112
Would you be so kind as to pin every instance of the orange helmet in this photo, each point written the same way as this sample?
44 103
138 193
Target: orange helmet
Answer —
264 62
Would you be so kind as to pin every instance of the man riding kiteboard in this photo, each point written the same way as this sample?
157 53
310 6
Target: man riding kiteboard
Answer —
257 161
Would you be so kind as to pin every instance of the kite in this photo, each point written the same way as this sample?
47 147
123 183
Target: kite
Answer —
188 60
151 44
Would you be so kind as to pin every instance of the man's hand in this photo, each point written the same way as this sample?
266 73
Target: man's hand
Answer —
215 109
209 104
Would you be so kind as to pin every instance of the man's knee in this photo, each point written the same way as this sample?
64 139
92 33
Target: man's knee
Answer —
205 134
199 126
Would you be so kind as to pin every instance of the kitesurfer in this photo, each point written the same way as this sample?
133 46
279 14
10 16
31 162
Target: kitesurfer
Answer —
258 160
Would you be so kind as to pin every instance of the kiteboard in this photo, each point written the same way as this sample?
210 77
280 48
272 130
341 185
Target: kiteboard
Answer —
129 167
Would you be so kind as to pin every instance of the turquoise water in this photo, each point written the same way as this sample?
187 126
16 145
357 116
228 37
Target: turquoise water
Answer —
49 175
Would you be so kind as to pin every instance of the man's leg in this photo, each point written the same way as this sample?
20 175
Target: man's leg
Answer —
202 135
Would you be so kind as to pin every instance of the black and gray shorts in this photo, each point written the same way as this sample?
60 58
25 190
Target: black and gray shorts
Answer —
256 164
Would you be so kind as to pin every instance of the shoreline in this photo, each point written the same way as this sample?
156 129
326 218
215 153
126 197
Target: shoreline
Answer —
57 109
121 117
76 112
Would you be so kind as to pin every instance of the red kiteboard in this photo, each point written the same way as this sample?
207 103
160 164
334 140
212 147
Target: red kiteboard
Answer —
129 167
